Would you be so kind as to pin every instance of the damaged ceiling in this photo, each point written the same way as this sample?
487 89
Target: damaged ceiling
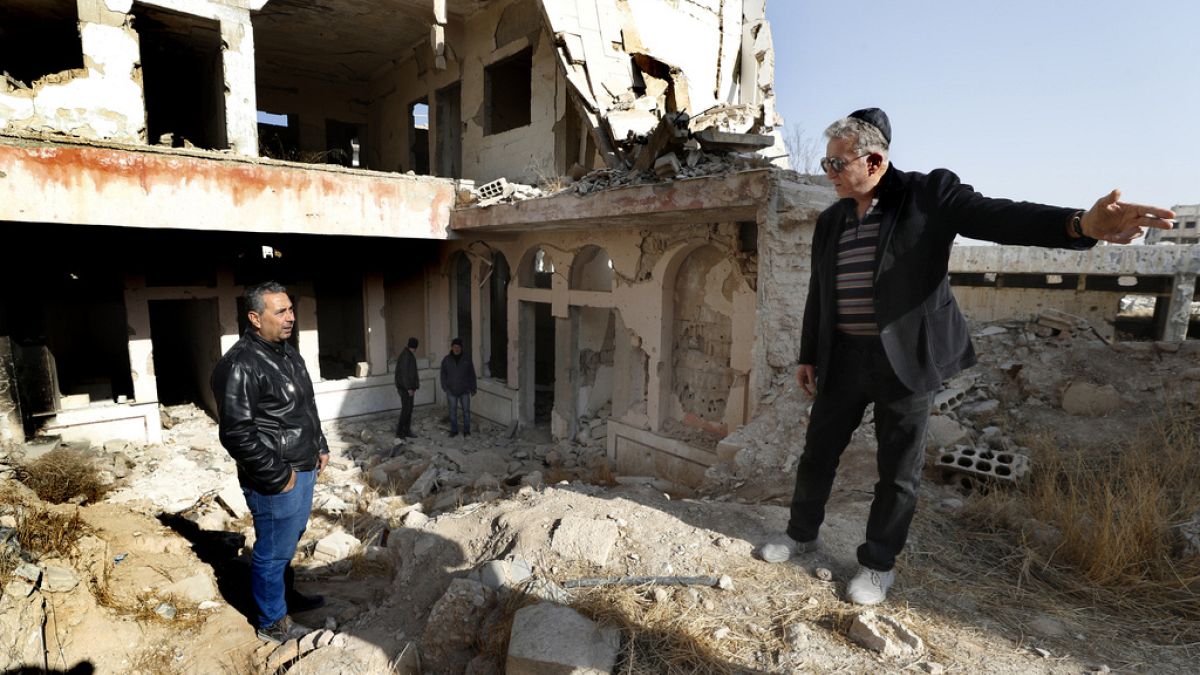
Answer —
345 39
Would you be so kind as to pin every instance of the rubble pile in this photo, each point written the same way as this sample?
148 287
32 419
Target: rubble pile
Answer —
1054 375
477 554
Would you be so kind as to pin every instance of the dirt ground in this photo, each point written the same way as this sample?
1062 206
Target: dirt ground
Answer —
435 509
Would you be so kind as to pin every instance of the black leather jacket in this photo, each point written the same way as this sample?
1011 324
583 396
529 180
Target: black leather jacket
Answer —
267 412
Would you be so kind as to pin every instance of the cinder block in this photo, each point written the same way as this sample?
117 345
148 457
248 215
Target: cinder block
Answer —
985 463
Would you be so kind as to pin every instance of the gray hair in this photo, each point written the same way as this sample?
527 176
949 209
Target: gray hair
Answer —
867 137
254 295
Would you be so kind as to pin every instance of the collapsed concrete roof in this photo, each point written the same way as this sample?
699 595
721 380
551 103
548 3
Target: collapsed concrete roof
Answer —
628 72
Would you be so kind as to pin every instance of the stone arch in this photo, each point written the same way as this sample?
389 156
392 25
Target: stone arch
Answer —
536 268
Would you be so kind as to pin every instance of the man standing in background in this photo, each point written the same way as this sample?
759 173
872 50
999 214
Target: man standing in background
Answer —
458 381
408 381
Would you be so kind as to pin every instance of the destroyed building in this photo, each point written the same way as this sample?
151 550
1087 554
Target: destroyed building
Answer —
591 194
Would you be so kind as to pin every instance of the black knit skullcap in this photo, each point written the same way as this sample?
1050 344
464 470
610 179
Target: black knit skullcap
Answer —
876 118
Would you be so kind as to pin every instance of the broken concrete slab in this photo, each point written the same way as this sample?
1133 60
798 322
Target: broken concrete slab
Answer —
885 635
724 141
58 579
335 547
197 588
944 432
584 539
550 638
667 167
453 626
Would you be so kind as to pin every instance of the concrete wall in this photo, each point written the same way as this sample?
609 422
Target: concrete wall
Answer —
57 183
645 268
101 101
499 30
104 100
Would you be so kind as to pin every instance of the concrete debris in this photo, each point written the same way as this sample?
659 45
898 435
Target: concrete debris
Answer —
1060 323
1086 399
501 190
986 464
549 638
58 579
944 432
166 610
667 167
453 626
584 539
335 547
724 141
948 399
497 574
197 588
885 635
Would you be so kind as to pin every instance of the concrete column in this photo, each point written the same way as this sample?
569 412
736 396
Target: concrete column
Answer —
478 329
141 349
305 300
375 323
562 418
12 427
241 98
1180 307
524 369
560 309
516 347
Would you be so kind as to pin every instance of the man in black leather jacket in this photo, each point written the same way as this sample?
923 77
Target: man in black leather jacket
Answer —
269 425
881 325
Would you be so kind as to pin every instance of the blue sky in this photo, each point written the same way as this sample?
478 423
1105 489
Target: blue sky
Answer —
1055 101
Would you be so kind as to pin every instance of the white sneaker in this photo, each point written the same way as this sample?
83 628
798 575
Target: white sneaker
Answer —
870 587
782 549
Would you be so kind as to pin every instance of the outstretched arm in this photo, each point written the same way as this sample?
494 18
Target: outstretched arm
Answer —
1111 219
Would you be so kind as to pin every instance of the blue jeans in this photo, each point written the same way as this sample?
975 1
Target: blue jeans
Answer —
279 522
463 400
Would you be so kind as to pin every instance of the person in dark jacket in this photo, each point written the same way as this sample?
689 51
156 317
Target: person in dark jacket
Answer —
408 381
458 381
269 425
881 326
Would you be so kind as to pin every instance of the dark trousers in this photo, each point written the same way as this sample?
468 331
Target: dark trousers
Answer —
859 374
404 426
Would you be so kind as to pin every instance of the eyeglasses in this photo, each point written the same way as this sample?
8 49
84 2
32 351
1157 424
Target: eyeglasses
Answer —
837 164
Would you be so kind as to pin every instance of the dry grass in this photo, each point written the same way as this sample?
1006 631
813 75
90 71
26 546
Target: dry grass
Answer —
61 476
1098 524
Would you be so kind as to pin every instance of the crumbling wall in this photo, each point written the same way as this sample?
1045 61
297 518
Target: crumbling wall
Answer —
498 31
786 226
631 63
986 304
313 102
702 339
626 336
11 426
103 100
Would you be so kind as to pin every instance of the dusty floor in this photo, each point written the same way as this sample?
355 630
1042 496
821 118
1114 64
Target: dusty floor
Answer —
163 536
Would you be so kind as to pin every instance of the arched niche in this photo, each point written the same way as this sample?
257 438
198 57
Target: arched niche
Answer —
592 270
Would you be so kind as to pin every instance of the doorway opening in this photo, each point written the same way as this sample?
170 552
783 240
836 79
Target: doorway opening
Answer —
186 341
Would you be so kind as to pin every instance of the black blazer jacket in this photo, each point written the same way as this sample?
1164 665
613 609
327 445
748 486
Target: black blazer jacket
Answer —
923 331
